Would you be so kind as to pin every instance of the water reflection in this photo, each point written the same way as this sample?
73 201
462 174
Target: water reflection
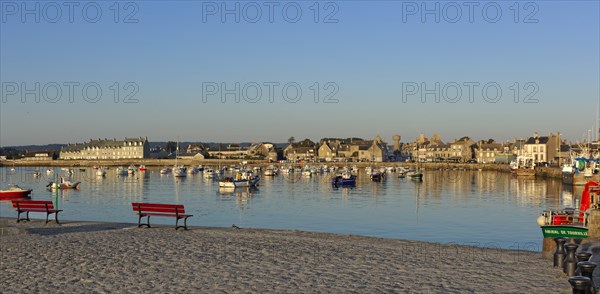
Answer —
448 205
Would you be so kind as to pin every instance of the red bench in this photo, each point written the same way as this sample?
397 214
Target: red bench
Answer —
28 206
165 210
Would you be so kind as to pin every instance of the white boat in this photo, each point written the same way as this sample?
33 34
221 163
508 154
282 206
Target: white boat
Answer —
49 172
165 171
101 172
270 171
64 184
179 171
242 179
131 169
192 170
121 171
209 173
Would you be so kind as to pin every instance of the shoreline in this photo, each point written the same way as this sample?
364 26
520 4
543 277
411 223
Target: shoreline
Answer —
543 172
102 256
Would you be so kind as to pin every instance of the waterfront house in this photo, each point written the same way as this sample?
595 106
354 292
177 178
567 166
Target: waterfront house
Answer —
328 151
487 151
303 150
264 150
542 148
130 148
461 150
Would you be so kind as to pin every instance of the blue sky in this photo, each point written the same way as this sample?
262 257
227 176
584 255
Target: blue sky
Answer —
365 58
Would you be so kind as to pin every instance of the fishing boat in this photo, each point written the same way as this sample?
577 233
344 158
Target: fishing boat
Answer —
523 167
63 184
14 192
241 179
583 168
142 168
165 171
346 179
571 222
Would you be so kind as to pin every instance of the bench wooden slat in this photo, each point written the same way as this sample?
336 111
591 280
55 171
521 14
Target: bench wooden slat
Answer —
27 206
165 208
165 215
162 210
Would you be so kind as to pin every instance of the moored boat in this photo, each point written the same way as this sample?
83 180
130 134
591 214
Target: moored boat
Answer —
131 169
101 172
121 171
14 192
241 179
346 179
571 222
64 184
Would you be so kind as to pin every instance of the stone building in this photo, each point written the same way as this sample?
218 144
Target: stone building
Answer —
303 150
487 151
542 148
130 148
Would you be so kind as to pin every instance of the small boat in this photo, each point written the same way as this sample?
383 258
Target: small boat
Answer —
49 172
37 173
131 169
415 175
344 180
270 171
376 177
64 184
242 179
121 171
209 173
142 168
570 222
101 172
192 170
179 171
165 171
14 192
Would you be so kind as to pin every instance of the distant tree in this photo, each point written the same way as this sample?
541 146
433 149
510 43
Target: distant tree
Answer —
291 140
171 147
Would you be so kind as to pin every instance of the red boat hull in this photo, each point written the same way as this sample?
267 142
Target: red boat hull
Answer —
10 195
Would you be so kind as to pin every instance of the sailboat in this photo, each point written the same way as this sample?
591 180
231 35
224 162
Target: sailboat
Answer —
178 171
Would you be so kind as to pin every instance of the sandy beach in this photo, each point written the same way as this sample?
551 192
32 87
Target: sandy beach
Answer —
80 257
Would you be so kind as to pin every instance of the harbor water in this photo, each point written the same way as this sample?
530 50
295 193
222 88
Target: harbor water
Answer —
480 208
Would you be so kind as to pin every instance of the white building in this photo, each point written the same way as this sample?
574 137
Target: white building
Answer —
107 149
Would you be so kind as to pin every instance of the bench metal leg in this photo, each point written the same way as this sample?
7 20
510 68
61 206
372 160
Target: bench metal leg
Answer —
56 218
140 224
177 226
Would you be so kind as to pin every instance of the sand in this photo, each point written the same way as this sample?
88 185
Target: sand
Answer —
87 257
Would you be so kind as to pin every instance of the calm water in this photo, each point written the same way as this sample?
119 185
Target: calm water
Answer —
466 207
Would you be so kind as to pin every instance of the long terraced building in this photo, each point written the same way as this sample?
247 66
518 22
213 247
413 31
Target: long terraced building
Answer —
107 149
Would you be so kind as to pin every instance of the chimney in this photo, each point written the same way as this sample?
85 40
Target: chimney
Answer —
535 135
